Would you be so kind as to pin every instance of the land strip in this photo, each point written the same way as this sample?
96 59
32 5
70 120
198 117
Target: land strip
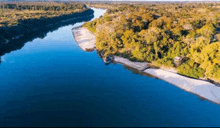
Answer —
198 87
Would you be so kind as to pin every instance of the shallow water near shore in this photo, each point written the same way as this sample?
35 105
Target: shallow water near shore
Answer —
52 82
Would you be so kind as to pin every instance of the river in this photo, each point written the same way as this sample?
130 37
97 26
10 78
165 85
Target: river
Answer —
50 81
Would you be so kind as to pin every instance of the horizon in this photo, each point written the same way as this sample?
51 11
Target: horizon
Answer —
108 1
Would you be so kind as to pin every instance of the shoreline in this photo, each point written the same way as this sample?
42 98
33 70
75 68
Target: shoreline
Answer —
18 31
50 25
201 88
198 87
16 44
84 38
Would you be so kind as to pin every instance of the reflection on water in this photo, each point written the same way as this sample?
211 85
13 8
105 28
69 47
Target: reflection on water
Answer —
52 82
133 70
17 44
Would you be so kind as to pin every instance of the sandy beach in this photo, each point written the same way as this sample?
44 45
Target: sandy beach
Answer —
201 88
84 38
137 65
204 89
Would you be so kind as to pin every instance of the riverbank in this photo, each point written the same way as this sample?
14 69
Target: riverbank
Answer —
19 42
140 66
30 25
201 88
84 38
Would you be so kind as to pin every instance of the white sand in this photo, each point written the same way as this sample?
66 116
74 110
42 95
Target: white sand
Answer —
207 90
169 69
199 87
137 65
84 38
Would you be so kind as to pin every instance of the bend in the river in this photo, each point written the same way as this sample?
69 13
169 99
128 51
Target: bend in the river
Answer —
52 82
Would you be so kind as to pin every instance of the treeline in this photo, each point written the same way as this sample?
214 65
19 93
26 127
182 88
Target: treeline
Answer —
102 5
158 32
20 18
11 13
17 44
46 6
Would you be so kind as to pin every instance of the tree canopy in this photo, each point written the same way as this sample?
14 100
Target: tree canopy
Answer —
157 32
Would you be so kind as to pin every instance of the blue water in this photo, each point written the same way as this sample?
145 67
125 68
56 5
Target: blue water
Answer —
52 82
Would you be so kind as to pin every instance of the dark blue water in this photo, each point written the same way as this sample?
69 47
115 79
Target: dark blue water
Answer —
52 82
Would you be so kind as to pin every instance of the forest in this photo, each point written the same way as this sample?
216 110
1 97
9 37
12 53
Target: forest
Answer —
11 13
17 18
158 32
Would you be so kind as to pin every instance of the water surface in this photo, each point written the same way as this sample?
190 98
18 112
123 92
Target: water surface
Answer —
52 82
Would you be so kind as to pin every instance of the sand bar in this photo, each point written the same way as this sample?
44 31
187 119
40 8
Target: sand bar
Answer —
84 38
